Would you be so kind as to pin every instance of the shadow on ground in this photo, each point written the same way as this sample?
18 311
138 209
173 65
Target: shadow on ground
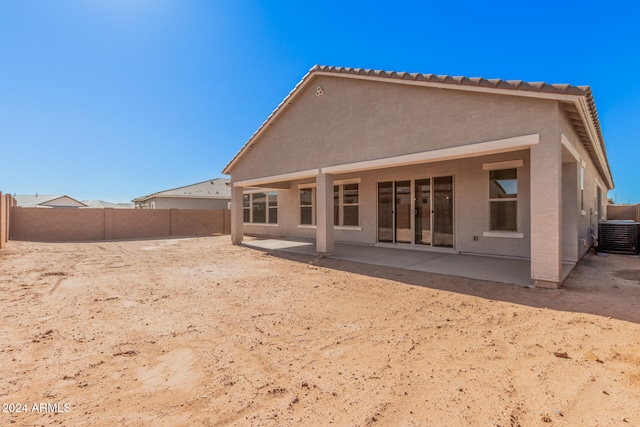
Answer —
604 285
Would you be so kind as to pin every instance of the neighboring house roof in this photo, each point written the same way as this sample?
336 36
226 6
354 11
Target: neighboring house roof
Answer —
47 201
212 189
577 102
102 204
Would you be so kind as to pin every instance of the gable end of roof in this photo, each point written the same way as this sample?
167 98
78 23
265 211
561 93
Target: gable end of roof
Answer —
512 87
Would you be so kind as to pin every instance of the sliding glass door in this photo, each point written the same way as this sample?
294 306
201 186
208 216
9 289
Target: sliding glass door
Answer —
385 212
418 212
443 211
403 212
423 212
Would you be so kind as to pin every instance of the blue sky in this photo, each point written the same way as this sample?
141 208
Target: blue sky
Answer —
115 99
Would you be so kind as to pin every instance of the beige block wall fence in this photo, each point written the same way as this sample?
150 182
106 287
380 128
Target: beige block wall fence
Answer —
628 212
64 224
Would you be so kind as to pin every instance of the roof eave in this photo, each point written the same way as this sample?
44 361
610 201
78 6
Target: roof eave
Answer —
185 197
270 119
589 118
159 193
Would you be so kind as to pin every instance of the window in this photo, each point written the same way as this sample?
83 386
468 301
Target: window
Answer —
598 202
582 189
307 206
273 207
260 208
246 207
336 205
503 200
345 205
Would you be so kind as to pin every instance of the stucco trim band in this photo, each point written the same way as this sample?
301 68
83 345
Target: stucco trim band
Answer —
503 234
310 173
453 153
503 165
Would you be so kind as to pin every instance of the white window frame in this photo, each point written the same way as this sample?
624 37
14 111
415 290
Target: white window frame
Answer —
510 164
340 220
250 193
301 187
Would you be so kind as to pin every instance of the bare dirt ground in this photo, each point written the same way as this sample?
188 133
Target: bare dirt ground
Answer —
200 332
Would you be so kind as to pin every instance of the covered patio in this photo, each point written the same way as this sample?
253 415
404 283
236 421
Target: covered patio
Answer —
385 161
495 269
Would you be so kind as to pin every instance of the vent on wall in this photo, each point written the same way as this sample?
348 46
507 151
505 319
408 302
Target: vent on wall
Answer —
619 237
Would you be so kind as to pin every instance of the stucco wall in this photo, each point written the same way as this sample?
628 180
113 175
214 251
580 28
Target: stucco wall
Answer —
570 211
586 212
64 202
471 205
358 120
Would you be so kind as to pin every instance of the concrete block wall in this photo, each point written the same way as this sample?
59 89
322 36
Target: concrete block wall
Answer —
629 212
60 225
141 223
3 219
6 202
194 222
57 224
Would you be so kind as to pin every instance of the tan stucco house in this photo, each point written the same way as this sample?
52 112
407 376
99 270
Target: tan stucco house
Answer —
211 194
440 163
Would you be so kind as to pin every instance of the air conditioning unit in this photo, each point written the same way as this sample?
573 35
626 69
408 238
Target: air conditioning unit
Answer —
619 237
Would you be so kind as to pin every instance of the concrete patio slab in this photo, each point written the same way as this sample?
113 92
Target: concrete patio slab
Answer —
295 246
495 269
505 270
384 256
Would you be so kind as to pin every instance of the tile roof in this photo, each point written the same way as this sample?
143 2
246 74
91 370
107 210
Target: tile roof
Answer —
100 204
459 80
211 189
31 201
519 87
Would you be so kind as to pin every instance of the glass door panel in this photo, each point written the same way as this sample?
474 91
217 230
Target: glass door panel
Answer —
403 212
443 211
385 212
423 212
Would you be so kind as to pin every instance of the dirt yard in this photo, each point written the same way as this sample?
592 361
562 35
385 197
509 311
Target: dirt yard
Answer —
199 332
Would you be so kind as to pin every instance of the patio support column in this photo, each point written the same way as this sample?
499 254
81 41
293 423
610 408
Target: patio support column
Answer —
546 213
324 214
236 214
